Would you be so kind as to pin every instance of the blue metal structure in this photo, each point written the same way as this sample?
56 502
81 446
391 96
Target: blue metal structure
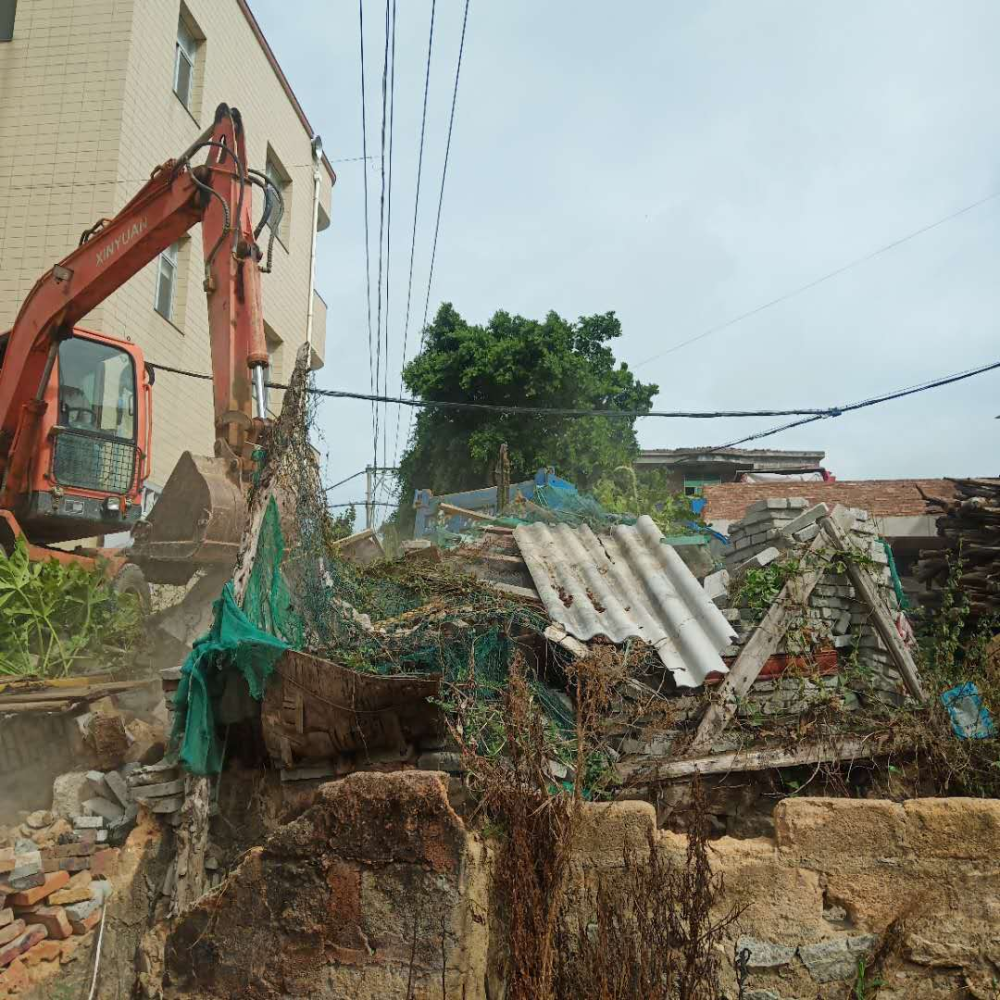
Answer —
483 501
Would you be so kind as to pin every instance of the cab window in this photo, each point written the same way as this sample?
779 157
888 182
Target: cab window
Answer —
96 389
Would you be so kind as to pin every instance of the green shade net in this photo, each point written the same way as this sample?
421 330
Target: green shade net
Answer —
233 644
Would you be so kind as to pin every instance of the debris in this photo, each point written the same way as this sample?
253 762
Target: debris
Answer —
110 811
69 791
970 718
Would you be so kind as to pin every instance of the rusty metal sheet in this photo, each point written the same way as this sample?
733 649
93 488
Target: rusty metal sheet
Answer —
315 710
630 584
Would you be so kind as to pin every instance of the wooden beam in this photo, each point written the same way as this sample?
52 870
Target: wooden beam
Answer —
884 625
452 510
558 635
761 647
840 749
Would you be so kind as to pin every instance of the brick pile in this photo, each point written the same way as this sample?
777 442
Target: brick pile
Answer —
51 898
781 529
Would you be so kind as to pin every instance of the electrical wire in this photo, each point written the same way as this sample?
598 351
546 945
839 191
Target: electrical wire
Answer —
814 413
342 481
388 239
861 404
416 209
368 263
820 280
381 229
444 170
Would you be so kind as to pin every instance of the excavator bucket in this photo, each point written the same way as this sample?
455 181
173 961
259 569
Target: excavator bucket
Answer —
196 523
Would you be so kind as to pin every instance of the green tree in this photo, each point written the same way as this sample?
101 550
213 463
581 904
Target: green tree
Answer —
516 361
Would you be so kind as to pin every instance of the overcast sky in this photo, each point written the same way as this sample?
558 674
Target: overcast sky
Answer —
681 164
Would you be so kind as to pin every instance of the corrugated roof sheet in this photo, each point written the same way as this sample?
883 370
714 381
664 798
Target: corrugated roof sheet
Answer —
631 584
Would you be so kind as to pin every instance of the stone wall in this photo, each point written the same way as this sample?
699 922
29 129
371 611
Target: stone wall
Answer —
35 747
379 887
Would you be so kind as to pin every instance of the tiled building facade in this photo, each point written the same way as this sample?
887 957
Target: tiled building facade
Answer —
93 95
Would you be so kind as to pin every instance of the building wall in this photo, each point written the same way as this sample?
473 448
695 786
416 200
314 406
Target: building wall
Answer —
100 74
62 83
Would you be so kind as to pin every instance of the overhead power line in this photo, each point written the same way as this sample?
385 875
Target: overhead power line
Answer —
381 228
819 281
368 262
345 480
810 414
416 209
444 169
862 404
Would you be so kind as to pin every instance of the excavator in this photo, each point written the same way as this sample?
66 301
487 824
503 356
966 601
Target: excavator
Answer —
76 406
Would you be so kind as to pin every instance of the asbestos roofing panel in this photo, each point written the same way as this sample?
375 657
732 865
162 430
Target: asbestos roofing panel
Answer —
628 585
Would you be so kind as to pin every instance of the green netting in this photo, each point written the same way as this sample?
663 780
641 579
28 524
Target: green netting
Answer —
267 601
388 618
233 644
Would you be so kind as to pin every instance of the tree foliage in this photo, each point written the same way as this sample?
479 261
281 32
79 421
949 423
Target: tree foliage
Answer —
512 360
624 491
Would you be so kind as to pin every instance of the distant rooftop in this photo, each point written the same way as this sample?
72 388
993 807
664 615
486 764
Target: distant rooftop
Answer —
880 497
709 453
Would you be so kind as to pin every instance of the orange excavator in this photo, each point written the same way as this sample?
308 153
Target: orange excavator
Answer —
76 406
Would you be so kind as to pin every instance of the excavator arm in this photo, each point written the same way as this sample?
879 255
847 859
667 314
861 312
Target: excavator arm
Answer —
177 196
216 193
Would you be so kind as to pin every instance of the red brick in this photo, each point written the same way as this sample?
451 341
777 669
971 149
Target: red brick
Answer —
74 864
104 862
50 865
73 850
71 894
19 945
44 951
14 979
88 924
52 882
28 882
55 921
11 931
6 859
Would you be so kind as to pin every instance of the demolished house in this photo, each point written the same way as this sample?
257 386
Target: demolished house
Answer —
328 667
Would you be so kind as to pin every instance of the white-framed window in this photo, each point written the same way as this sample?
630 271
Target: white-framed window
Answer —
278 176
166 282
185 55
8 11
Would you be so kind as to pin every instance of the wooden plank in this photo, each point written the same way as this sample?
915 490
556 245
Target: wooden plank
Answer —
761 647
515 591
839 749
559 635
74 693
35 706
884 625
452 510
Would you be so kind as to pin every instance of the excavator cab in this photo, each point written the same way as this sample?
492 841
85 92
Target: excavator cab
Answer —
87 472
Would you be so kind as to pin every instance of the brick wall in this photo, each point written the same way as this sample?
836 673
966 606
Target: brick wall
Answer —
881 497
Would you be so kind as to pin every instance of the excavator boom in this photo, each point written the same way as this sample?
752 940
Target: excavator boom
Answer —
75 406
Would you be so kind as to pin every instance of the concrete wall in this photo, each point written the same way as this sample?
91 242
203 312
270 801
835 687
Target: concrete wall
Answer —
87 109
331 905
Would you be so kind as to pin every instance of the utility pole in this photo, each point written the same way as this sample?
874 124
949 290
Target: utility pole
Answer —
371 480
369 510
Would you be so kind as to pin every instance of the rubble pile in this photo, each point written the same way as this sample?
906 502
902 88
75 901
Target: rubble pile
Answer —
53 888
779 531
970 526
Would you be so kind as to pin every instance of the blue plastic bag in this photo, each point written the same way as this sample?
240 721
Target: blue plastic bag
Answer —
970 718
